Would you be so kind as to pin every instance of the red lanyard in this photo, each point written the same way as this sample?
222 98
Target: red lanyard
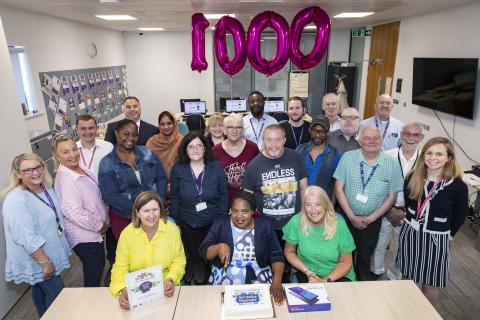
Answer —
91 159
421 205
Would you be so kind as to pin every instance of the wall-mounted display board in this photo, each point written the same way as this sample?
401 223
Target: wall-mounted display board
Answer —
70 93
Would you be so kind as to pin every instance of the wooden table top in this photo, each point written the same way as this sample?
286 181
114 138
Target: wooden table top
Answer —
350 300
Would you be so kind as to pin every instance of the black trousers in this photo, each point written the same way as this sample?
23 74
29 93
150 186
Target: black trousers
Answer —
196 269
365 241
287 270
92 255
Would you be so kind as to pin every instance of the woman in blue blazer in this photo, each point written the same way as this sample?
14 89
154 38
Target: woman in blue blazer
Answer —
244 249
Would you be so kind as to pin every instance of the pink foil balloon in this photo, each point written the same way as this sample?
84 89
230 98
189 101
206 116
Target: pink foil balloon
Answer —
234 26
280 26
199 24
322 22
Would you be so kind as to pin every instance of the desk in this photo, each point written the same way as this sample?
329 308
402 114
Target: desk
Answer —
350 300
98 303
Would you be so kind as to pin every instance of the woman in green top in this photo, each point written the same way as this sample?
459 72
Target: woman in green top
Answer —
318 242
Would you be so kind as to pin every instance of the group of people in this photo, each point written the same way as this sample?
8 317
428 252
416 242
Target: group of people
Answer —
240 200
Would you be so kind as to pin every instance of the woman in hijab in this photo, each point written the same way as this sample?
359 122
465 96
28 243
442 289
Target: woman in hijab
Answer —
166 143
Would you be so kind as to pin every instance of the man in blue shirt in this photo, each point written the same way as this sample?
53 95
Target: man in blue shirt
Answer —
320 158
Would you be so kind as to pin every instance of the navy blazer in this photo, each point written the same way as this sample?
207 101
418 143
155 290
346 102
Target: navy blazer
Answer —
146 131
267 247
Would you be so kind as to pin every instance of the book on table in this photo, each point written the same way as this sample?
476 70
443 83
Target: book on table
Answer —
144 286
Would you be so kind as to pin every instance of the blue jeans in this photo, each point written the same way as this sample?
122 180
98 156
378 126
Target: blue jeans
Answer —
45 292
92 255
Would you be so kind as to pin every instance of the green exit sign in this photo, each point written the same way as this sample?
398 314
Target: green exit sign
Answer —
361 32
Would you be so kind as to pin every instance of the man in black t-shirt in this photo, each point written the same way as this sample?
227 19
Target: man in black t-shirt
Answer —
296 129
277 177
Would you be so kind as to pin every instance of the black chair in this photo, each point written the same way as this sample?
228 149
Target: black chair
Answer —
280 116
195 122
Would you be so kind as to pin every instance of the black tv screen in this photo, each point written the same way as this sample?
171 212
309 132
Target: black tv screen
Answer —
445 84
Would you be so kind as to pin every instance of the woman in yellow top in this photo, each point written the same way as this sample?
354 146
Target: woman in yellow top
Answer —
149 240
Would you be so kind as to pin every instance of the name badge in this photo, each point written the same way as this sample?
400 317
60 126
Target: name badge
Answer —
394 134
60 230
361 197
415 224
201 206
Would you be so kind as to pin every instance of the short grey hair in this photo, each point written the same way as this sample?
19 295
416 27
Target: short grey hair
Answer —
233 118
417 125
360 133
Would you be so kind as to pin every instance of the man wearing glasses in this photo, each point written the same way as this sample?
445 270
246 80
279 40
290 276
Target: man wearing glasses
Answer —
320 158
345 138
406 155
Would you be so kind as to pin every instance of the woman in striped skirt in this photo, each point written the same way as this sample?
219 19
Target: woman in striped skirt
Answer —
436 201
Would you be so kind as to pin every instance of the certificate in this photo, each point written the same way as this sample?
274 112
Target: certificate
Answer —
144 286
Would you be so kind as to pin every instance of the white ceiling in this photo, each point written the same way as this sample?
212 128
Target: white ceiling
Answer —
175 15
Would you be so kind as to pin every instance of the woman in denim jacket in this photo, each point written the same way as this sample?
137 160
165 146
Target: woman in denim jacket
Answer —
126 172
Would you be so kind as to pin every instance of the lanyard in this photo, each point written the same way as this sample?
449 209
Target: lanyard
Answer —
364 184
420 204
385 130
295 137
400 162
197 187
261 129
50 203
91 159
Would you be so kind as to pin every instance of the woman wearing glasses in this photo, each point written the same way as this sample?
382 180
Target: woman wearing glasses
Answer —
235 153
86 219
199 194
244 249
37 250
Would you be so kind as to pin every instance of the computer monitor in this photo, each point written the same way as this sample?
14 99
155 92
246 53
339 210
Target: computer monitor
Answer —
195 107
237 105
274 106
182 103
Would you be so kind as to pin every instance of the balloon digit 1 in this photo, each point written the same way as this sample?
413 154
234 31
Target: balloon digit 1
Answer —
235 27
199 24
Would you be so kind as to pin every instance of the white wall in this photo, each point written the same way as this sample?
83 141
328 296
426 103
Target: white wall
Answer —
451 33
159 72
57 44
14 126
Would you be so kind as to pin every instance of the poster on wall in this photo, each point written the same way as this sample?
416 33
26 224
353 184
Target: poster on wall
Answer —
70 93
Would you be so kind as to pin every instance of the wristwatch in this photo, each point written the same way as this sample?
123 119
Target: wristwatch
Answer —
327 279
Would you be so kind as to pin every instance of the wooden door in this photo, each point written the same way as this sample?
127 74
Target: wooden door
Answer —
383 52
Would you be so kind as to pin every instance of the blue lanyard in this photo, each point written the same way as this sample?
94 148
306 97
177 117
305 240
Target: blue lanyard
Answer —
364 184
261 129
197 187
295 137
50 203
385 130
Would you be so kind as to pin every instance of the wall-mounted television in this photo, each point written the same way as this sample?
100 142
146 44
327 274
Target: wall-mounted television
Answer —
445 84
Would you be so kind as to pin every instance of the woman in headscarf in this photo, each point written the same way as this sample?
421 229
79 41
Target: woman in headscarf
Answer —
166 143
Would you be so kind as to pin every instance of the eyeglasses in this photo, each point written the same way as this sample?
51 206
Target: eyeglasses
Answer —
314 132
415 135
234 128
29 171
351 118
195 147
